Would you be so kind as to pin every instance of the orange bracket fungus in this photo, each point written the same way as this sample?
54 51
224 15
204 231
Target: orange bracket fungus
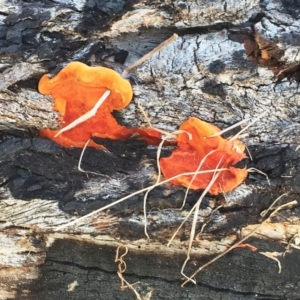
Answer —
85 97
210 151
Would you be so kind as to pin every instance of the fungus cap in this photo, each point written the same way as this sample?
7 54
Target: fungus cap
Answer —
81 83
76 89
210 152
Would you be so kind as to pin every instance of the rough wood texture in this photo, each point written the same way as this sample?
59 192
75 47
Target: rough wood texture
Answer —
232 61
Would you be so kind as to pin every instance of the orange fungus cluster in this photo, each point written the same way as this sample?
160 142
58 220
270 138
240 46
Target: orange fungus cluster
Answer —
77 89
197 146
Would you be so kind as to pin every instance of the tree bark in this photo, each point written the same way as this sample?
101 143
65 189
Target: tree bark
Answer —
233 60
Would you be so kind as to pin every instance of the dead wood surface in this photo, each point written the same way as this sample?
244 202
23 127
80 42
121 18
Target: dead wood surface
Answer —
233 60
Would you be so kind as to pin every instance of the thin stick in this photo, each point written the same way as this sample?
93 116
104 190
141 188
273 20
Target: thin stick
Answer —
148 55
91 113
131 195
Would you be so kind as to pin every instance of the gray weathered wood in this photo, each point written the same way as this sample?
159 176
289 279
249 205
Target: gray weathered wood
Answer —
233 60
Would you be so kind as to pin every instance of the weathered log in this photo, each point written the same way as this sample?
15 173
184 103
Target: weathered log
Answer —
232 61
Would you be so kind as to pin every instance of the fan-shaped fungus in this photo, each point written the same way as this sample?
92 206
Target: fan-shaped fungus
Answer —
85 97
191 152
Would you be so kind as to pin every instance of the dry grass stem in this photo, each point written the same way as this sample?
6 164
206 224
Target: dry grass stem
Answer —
194 176
160 183
189 214
91 113
157 181
272 256
121 269
229 128
238 124
78 220
291 243
252 170
144 115
149 55
81 156
166 133
172 135
249 153
292 203
122 264
295 246
80 160
265 212
196 213
246 127
183 131
205 224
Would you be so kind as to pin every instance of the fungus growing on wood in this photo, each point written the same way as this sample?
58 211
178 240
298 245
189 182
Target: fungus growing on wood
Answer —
86 96
206 150
79 91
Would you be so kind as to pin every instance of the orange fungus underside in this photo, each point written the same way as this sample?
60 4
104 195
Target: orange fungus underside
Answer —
191 152
76 89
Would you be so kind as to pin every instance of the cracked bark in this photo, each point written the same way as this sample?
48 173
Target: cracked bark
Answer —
232 61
